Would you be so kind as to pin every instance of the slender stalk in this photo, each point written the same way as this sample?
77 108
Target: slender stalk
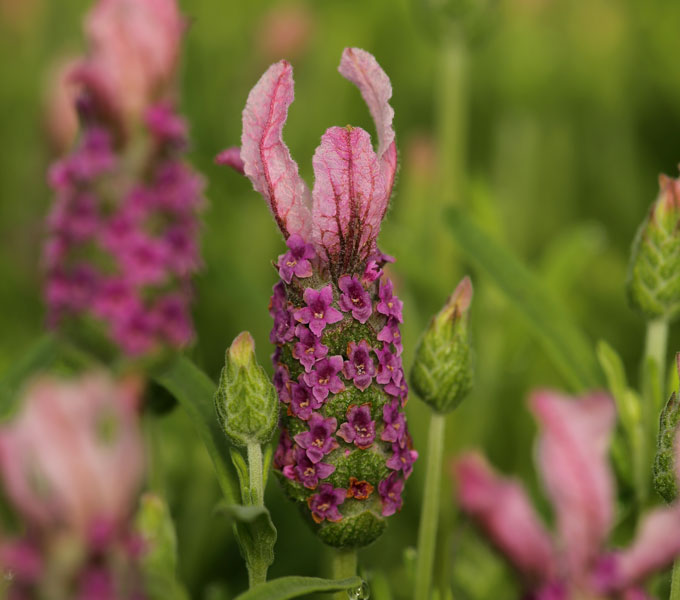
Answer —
675 582
656 342
256 474
343 565
427 533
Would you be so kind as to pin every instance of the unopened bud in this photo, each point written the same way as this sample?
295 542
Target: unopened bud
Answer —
245 400
442 369
653 284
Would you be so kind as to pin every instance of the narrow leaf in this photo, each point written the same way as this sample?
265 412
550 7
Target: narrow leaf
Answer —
294 587
195 391
568 347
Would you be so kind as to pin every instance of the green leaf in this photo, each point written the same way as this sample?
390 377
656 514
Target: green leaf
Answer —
195 391
255 532
569 349
294 587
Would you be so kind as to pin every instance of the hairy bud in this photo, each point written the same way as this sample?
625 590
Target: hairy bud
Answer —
245 400
665 463
653 285
442 370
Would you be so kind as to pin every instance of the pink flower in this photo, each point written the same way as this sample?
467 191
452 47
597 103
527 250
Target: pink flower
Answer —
342 215
73 457
573 452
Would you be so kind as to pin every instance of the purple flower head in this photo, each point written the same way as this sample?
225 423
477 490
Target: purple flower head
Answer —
282 383
355 298
359 367
324 505
395 423
389 304
390 334
359 428
309 349
324 378
309 473
359 490
302 402
319 440
403 456
389 367
390 490
318 313
297 260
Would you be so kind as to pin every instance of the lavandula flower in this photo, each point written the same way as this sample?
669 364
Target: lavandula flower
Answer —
336 318
122 232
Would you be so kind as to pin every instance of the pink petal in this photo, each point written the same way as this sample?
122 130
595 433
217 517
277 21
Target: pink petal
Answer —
573 457
349 197
231 157
266 158
361 68
656 545
503 510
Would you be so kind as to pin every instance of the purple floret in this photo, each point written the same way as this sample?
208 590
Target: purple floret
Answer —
390 490
324 505
309 473
389 367
319 440
302 402
297 260
324 378
359 367
389 304
390 334
318 313
309 349
403 457
359 428
355 298
395 423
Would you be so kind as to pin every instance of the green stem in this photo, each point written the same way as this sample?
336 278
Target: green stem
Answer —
255 474
343 565
656 342
427 534
675 581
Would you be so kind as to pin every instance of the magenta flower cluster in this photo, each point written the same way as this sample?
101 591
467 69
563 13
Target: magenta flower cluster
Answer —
122 232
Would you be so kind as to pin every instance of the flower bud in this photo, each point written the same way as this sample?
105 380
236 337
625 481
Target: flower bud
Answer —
245 399
653 285
442 369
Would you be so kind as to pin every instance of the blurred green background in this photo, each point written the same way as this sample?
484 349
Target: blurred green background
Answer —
548 121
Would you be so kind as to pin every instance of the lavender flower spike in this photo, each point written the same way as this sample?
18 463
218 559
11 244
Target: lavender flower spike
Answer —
338 370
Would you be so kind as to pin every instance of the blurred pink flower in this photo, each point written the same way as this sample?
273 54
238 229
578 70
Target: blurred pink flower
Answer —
73 458
572 454
134 50
285 31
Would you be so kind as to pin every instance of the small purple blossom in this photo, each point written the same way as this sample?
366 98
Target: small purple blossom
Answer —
390 490
324 505
302 402
389 304
174 323
403 457
319 440
309 349
399 390
136 331
324 378
282 383
359 367
359 428
284 455
284 326
318 313
297 260
166 125
355 298
395 423
374 266
389 367
390 334
309 473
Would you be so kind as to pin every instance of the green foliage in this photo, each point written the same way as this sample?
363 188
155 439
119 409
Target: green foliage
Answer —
294 587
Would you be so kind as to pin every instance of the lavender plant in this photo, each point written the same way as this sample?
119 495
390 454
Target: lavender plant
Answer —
344 452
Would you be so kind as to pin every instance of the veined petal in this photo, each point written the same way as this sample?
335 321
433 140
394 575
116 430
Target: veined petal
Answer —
348 194
573 457
231 157
266 158
361 68
503 510
656 545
